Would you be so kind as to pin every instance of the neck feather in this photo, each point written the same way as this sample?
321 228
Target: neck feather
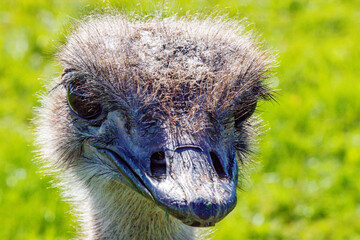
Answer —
111 210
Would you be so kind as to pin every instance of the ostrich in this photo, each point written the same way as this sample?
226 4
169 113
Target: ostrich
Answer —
151 119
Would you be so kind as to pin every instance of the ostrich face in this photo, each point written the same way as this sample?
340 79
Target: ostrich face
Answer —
190 174
163 107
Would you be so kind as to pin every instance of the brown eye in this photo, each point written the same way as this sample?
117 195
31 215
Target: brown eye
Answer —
244 114
81 103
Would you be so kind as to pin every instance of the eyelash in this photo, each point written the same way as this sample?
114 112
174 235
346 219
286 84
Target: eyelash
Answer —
244 114
81 104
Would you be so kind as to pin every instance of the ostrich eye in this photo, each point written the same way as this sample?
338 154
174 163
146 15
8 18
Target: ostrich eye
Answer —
81 103
244 113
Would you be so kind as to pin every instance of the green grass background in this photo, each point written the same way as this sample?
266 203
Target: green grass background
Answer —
305 183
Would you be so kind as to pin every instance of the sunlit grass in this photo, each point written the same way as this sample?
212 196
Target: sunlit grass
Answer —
305 183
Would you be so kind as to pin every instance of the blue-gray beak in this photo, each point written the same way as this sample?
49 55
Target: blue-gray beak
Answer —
188 182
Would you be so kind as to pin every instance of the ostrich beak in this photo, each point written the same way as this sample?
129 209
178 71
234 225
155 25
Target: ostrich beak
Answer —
193 188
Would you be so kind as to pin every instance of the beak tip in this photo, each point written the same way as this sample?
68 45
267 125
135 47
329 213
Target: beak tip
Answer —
204 209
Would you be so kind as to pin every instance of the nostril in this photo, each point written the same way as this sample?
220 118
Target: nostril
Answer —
217 165
158 165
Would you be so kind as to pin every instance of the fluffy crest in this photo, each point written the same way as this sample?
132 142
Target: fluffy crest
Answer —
176 69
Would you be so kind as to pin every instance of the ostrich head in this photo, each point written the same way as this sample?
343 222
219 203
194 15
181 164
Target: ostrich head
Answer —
157 110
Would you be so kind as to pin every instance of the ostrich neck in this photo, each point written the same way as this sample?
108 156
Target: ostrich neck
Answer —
114 211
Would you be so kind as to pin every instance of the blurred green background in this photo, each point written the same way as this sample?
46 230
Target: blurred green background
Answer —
304 183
